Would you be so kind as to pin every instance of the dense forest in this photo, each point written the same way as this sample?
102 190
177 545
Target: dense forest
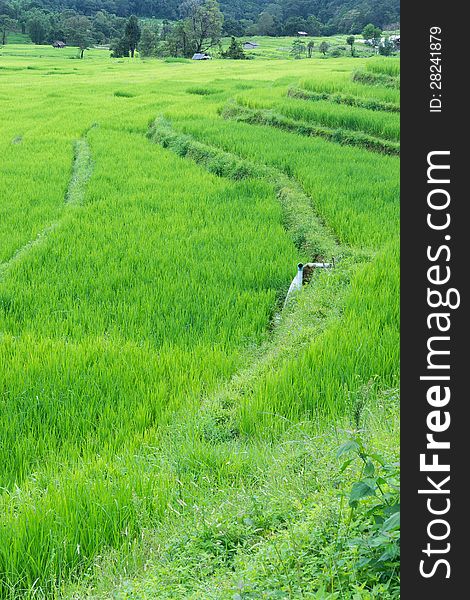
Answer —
264 17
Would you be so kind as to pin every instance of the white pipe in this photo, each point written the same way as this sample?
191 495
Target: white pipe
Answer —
296 284
320 265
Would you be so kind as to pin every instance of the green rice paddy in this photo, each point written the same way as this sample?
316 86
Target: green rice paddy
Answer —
150 383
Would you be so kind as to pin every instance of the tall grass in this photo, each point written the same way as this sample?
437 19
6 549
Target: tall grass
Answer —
31 200
370 104
324 381
352 88
387 66
128 304
96 278
306 229
338 135
376 78
354 191
376 123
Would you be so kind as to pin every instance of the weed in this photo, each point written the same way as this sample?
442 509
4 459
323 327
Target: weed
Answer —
374 501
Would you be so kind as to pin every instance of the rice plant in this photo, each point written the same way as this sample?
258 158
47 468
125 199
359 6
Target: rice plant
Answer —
387 66
154 398
344 85
376 123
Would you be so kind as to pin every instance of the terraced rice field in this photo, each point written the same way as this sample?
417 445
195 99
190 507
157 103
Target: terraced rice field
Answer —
157 401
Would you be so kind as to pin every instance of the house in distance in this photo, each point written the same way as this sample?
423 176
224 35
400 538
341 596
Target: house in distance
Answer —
58 44
200 56
250 45
396 40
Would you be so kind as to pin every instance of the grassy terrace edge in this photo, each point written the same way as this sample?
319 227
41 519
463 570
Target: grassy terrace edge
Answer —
82 170
348 100
369 77
305 227
236 112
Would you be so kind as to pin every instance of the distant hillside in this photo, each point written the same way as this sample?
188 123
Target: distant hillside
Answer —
341 15
379 12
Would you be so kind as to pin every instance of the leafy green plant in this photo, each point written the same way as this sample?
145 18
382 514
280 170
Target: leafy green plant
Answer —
298 49
234 51
374 500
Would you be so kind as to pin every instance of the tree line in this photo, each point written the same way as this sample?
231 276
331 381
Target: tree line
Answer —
46 20
315 17
68 25
373 36
199 29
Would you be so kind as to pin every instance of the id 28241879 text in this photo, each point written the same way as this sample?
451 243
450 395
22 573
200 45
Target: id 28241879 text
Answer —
435 69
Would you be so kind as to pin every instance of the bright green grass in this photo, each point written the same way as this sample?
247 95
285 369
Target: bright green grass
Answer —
376 123
343 85
140 384
15 37
33 190
388 66
323 380
155 267
358 198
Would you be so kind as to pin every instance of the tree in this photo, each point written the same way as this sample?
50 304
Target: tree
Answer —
324 48
352 21
314 26
275 10
249 27
387 47
267 24
132 33
119 48
6 25
298 48
37 28
295 24
187 7
177 41
13 8
78 32
203 24
372 34
148 42
323 17
107 27
297 8
369 31
56 28
234 51
310 47
350 41
232 27
165 30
